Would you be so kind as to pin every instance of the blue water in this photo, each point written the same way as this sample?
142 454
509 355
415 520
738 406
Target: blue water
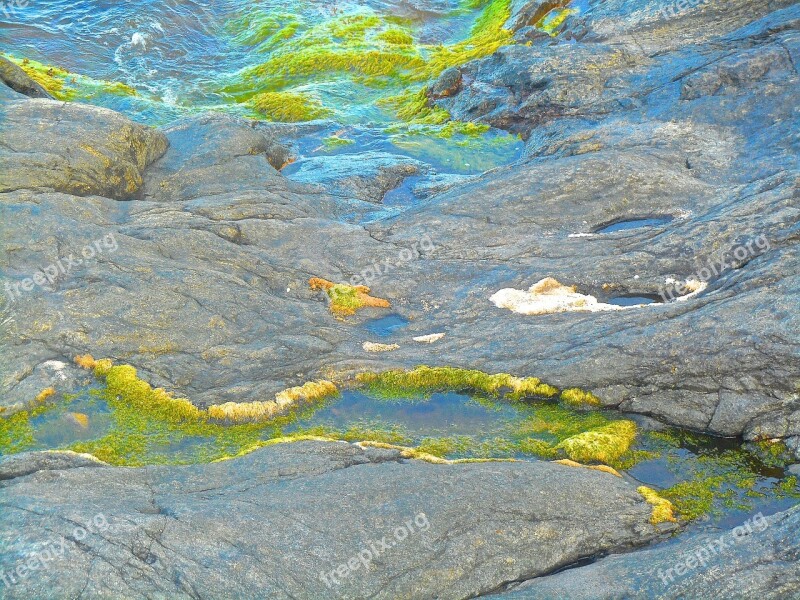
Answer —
634 224
385 326
634 300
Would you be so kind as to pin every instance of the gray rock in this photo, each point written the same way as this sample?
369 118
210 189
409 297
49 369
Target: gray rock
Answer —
77 149
21 465
525 13
438 183
55 375
448 84
19 81
652 113
269 524
530 34
755 560
213 155
365 176
521 88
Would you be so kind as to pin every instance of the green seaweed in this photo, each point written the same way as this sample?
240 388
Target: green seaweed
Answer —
604 444
150 426
288 107
578 397
63 85
16 433
368 49
334 141
424 380
445 447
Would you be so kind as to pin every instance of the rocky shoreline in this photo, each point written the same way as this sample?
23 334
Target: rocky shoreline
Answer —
186 252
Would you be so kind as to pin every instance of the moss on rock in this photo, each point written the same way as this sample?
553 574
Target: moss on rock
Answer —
425 380
63 85
288 107
346 299
605 444
663 510
577 397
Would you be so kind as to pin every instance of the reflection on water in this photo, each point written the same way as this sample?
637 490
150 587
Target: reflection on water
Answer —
440 415
84 417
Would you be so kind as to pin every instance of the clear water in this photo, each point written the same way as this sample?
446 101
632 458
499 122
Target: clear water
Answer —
385 326
634 300
85 417
634 224
451 425
441 415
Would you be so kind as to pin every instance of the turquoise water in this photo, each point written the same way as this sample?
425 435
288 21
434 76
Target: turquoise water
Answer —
187 57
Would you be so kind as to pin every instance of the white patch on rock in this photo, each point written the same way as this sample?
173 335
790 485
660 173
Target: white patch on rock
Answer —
549 296
694 286
373 347
58 368
428 339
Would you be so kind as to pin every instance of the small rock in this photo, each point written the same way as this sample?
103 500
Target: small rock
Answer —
374 347
448 84
429 339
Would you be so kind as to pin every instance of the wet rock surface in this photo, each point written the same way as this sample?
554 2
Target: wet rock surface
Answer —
367 176
755 560
21 465
205 290
73 148
307 508
19 81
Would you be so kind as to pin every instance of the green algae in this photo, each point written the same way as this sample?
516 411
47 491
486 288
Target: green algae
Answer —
367 49
344 299
663 509
538 448
714 481
395 36
604 444
334 141
288 107
347 46
446 446
63 85
149 426
551 22
577 397
263 29
16 433
424 380
412 106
